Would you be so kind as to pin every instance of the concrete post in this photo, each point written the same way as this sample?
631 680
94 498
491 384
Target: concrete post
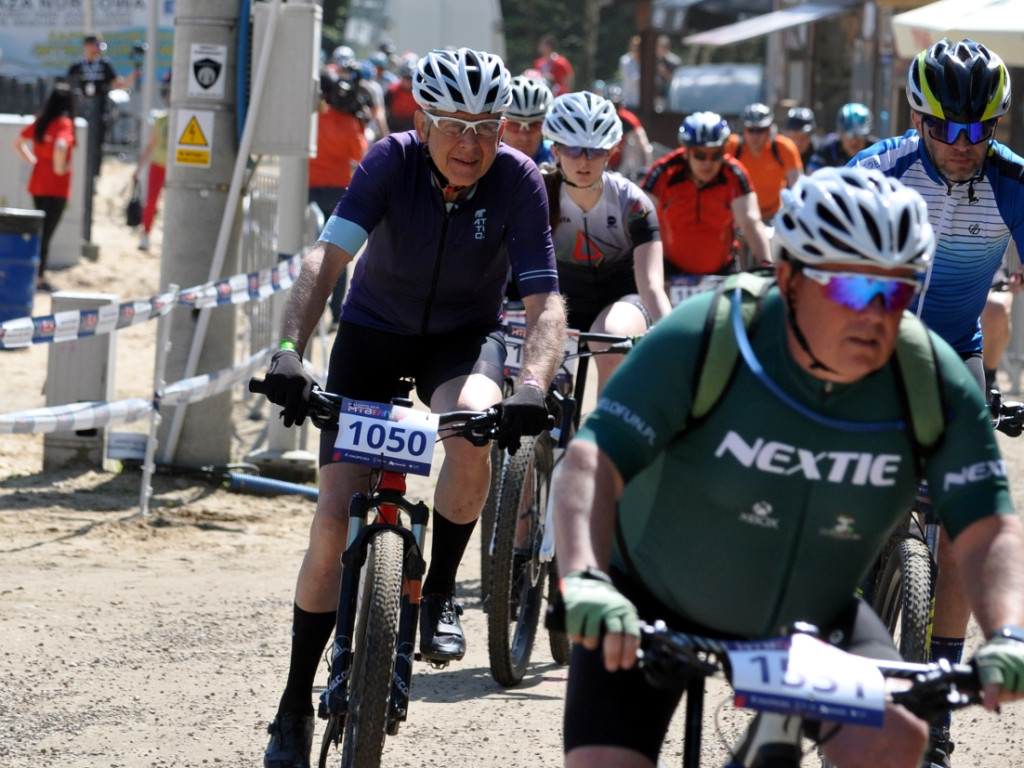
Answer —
201 156
79 371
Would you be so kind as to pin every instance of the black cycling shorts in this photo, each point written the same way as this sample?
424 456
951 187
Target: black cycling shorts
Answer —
621 709
367 364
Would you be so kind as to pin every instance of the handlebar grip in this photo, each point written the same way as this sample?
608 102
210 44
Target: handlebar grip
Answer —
257 386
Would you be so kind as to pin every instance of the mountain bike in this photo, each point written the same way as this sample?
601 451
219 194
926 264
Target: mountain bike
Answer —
901 588
790 680
521 543
371 658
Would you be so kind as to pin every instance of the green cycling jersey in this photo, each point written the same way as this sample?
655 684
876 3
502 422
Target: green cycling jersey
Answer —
757 516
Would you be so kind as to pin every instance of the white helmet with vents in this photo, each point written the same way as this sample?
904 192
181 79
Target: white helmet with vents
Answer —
853 216
462 81
531 98
583 119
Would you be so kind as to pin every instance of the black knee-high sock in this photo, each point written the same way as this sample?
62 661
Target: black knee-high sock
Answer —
446 550
310 633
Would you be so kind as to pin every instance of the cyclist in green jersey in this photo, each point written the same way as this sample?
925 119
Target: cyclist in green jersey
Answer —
770 508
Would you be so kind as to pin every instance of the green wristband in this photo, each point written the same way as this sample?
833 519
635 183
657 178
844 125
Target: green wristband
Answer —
287 344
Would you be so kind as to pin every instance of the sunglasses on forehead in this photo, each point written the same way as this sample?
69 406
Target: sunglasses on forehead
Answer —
855 291
948 131
700 154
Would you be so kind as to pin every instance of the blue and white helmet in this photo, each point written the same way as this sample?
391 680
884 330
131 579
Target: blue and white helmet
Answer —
703 129
853 216
462 81
583 119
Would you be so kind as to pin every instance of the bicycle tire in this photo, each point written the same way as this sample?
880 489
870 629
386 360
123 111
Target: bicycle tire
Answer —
558 641
514 612
903 598
487 515
374 644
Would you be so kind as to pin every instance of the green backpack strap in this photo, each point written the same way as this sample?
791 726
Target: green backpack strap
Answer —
918 369
719 352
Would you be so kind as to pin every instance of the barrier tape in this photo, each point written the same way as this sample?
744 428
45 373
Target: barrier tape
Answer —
206 385
78 324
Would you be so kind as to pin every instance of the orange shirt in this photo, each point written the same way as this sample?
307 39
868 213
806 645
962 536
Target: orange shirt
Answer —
340 146
768 170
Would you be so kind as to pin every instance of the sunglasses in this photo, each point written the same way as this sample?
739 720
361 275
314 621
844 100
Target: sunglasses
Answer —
524 126
698 154
755 129
575 153
855 291
948 132
453 127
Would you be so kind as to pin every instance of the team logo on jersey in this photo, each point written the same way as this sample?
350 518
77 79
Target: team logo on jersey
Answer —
586 251
843 529
760 514
480 223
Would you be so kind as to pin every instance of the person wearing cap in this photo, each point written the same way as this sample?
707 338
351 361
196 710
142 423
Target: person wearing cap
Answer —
440 214
799 128
772 160
854 124
974 187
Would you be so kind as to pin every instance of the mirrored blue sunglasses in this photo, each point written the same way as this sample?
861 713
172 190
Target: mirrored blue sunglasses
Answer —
948 132
855 290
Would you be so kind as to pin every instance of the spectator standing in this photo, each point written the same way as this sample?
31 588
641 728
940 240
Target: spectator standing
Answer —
46 145
93 77
772 161
629 74
701 195
399 102
524 120
799 128
554 67
155 153
341 146
853 134
665 65
634 154
371 108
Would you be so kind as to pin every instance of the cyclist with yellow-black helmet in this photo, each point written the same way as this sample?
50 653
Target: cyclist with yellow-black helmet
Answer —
958 91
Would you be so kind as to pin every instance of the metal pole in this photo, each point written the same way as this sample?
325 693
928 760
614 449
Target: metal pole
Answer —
201 199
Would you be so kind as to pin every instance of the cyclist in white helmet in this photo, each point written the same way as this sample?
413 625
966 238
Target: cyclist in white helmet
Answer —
764 511
444 212
531 100
604 227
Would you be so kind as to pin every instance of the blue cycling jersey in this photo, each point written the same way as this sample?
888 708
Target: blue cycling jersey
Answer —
432 267
973 223
544 153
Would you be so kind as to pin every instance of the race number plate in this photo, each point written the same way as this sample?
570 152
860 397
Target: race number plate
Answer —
682 287
386 436
804 676
515 332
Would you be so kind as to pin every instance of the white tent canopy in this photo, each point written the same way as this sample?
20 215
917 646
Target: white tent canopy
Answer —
998 24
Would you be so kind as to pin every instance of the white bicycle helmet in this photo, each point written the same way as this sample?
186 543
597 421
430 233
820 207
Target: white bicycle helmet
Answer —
531 98
583 119
462 81
853 216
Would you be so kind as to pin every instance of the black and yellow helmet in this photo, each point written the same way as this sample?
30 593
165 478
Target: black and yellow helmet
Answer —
962 82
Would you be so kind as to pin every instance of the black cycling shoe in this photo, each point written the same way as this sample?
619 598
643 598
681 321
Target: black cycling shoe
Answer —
291 739
441 637
939 748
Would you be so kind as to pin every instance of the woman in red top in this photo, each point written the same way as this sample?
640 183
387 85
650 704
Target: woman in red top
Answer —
46 146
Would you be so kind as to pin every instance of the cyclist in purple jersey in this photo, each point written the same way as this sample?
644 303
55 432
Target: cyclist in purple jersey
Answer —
974 188
443 212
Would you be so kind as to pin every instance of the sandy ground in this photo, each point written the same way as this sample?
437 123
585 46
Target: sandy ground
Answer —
136 642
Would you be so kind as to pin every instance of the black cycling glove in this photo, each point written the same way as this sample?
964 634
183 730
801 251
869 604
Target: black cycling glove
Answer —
288 384
522 414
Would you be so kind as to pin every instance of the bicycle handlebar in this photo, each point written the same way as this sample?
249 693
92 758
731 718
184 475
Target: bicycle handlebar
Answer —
1007 416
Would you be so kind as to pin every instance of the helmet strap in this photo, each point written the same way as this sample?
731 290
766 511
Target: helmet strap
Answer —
440 178
816 364
595 185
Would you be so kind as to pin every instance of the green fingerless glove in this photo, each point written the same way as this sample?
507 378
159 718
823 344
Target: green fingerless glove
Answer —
594 606
1001 661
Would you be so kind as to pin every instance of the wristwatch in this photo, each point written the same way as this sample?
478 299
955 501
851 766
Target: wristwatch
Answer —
1009 631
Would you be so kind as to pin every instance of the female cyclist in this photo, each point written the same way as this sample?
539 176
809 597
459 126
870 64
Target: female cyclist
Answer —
605 229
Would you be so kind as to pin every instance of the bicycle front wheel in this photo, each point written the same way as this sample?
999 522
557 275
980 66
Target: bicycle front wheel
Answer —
517 574
487 515
374 645
903 597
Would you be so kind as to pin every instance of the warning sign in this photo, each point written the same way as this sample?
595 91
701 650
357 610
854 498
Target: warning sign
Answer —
206 71
194 138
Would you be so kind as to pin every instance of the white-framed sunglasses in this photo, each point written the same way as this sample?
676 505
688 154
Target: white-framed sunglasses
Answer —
454 127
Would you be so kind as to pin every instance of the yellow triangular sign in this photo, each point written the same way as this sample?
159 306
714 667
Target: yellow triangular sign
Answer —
193 135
